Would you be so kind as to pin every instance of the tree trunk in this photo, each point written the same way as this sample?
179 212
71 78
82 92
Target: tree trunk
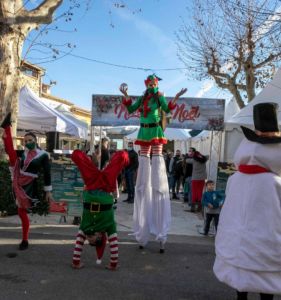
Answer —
15 23
250 81
11 43
237 96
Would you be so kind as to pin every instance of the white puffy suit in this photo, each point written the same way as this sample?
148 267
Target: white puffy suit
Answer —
248 241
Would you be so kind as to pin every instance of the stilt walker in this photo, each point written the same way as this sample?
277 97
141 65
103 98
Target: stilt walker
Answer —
152 211
25 166
98 224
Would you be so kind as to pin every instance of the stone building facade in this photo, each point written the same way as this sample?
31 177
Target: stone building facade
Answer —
32 77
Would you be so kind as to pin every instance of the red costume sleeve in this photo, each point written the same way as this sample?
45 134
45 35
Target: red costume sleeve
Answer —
127 102
171 105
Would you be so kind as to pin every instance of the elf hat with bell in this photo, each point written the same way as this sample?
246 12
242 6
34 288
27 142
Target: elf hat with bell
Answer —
100 248
152 78
266 124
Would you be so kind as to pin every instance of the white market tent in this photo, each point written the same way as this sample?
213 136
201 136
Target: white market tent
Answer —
234 118
34 114
82 126
233 133
178 135
271 93
171 134
199 141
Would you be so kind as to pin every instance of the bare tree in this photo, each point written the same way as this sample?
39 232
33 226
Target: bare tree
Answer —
23 23
15 24
237 43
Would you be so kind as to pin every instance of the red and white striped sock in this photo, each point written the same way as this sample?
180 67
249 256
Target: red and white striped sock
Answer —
145 151
80 240
157 150
113 245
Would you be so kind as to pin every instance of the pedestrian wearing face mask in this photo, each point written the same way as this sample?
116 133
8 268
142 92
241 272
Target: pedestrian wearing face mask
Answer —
24 167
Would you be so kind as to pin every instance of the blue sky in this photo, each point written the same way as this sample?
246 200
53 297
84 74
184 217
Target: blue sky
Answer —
138 39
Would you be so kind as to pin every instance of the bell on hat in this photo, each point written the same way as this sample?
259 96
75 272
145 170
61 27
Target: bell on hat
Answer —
266 124
100 248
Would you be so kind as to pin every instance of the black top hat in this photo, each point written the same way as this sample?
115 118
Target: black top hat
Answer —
266 124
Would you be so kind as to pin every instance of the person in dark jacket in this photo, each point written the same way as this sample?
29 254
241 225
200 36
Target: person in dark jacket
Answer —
25 166
187 176
168 159
130 172
105 156
176 172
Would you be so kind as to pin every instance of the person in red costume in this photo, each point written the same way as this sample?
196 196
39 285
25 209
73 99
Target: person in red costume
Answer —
98 224
25 166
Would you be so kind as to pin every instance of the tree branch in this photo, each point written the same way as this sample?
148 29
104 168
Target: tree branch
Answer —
231 86
270 58
43 14
239 59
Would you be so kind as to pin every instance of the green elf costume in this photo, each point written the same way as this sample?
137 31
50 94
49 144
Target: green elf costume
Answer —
98 214
152 211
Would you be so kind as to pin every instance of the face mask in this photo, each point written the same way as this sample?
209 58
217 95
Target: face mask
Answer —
30 146
153 90
130 148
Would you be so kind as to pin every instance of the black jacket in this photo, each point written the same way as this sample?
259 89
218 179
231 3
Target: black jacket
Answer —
104 157
134 161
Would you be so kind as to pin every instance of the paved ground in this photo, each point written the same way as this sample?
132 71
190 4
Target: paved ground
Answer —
184 271
183 223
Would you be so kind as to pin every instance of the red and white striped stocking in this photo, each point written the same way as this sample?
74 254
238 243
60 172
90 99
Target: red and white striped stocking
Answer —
157 150
145 150
80 240
113 245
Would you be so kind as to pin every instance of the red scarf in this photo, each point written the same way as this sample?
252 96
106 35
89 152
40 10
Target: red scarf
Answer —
252 169
146 109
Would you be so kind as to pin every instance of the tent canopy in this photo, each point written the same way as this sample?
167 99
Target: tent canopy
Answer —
123 130
172 134
231 109
271 93
83 128
34 114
